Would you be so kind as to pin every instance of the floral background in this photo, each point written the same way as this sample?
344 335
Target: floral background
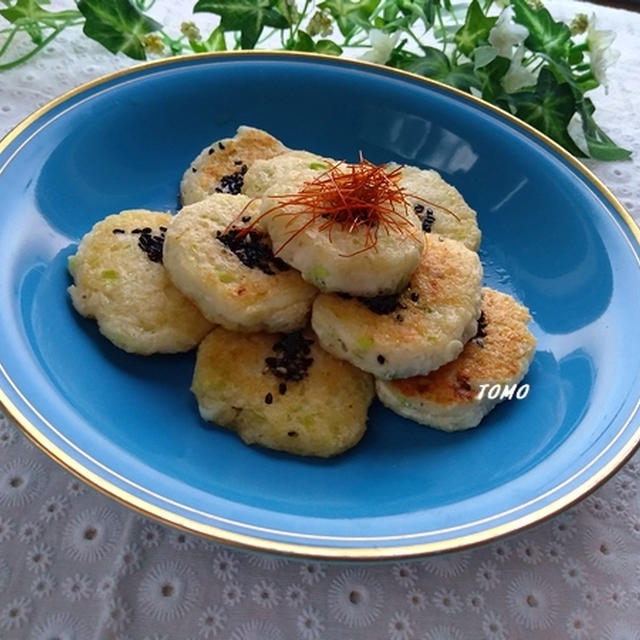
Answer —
74 565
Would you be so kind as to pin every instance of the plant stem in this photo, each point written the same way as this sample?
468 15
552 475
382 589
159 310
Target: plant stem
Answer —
7 42
27 56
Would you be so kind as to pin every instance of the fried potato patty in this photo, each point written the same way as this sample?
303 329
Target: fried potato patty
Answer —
265 174
336 253
281 391
119 280
440 206
449 398
234 279
221 166
419 330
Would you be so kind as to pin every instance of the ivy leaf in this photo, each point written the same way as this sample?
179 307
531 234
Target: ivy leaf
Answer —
463 77
545 34
329 47
599 144
302 42
27 10
117 25
33 16
475 29
247 16
349 14
490 78
549 109
484 55
215 42
432 64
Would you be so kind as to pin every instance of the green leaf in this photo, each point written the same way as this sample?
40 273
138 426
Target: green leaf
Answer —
463 77
216 41
117 25
483 55
328 47
25 10
432 64
30 15
302 42
349 14
247 16
549 109
490 79
545 34
475 29
599 144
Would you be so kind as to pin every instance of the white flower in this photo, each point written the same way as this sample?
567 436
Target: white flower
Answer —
507 34
381 46
600 52
518 76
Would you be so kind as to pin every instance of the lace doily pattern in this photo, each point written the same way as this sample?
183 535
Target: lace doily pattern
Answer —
75 565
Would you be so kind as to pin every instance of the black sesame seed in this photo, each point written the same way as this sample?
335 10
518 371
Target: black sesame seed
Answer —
381 359
428 221
292 434
246 219
290 362
193 169
482 330
381 305
414 296
136 231
151 244
399 318
268 398
253 250
237 162
118 231
244 169
418 208
220 145
163 229
231 183
211 150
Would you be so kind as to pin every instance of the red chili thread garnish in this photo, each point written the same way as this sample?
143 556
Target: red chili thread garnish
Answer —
353 196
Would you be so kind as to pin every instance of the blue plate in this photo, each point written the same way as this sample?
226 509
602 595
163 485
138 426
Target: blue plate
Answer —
553 237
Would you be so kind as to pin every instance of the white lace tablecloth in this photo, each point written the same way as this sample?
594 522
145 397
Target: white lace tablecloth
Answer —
576 576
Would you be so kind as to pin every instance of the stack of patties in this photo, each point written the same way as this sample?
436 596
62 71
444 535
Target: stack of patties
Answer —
316 284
